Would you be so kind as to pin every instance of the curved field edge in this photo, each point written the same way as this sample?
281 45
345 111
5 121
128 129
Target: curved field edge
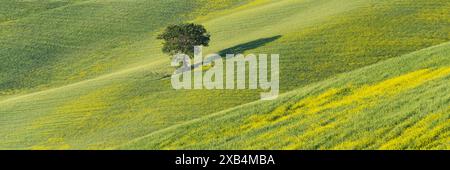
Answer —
402 103
47 44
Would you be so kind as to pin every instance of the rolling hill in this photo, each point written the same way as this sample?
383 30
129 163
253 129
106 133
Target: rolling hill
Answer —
401 103
90 75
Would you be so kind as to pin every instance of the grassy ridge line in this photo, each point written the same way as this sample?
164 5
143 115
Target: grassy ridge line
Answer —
99 78
280 17
41 117
86 39
30 8
139 143
284 97
221 46
263 4
157 59
225 12
323 38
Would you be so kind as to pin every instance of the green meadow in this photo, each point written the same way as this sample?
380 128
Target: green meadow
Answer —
359 74
401 103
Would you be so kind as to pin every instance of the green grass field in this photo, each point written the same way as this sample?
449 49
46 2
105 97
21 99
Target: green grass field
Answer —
356 75
401 103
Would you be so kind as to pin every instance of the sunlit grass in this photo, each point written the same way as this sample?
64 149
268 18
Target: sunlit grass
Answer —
101 80
400 111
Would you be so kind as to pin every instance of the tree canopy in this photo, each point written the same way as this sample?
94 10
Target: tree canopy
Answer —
182 38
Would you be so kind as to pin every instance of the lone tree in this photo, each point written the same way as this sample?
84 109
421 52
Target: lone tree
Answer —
182 38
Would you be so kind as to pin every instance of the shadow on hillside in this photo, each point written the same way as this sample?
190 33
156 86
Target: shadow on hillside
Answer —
241 48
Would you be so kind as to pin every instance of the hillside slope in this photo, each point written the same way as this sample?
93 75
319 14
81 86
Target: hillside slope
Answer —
90 74
52 43
402 103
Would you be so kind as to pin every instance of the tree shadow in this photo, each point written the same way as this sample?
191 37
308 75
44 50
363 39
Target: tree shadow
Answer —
241 48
